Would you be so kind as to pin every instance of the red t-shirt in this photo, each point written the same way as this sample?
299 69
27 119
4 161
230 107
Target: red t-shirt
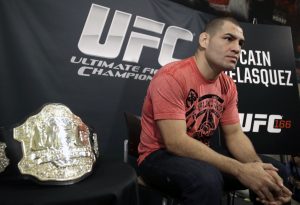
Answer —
179 91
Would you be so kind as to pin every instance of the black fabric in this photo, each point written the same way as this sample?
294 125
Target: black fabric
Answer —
133 123
111 183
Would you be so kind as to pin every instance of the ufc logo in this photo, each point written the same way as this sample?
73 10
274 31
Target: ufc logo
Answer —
89 40
253 122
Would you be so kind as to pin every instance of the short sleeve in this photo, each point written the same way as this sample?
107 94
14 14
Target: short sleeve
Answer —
167 98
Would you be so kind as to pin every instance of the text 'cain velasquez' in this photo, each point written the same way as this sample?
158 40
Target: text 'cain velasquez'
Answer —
260 72
91 67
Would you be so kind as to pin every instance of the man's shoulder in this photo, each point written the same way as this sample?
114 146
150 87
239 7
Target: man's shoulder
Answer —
176 67
226 82
223 76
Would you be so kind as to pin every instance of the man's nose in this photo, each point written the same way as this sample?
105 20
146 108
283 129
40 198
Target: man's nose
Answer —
236 47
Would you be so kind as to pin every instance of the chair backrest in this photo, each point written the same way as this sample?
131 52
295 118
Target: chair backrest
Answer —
133 123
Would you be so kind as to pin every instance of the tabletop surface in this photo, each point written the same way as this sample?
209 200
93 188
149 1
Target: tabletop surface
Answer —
111 183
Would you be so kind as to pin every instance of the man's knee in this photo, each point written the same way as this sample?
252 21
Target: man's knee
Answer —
204 188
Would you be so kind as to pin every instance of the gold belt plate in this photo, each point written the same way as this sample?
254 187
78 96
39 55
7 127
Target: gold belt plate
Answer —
56 145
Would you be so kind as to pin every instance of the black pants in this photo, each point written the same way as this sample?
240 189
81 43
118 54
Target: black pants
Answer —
193 182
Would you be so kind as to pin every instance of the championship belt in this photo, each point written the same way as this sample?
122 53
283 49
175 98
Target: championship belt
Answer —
57 147
4 162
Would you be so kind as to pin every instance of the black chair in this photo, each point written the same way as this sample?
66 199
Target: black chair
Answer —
133 123
236 191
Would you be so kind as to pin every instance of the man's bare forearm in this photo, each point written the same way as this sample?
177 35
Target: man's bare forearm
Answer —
242 149
239 144
189 147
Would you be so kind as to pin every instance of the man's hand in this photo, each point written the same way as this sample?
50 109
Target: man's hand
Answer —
281 197
256 176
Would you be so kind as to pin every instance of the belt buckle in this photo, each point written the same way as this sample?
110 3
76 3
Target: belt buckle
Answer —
57 146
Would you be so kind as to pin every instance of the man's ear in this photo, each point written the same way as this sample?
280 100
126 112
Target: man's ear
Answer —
203 39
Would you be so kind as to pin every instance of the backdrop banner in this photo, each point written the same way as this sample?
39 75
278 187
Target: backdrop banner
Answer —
98 57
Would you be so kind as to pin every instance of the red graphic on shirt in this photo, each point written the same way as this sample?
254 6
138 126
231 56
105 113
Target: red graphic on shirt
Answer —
203 115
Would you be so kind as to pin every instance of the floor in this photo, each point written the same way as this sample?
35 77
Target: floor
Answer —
239 201
244 200
151 198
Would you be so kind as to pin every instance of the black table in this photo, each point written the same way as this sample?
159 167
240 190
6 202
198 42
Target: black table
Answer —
111 183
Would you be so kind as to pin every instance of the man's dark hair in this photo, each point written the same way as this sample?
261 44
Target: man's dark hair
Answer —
213 25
